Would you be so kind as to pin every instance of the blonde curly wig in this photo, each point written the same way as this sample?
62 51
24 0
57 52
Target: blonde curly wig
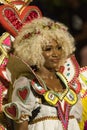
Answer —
36 35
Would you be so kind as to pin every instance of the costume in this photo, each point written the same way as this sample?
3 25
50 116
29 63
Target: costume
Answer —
83 79
5 45
14 14
29 101
30 96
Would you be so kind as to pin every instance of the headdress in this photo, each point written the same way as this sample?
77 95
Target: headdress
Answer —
14 14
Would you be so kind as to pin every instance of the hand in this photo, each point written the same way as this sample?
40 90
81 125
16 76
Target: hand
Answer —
21 126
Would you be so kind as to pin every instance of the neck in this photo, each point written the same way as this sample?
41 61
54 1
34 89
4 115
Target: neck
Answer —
45 73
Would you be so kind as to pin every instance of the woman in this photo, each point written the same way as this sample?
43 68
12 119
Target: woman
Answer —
42 98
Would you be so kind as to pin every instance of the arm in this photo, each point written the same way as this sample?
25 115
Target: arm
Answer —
21 105
21 126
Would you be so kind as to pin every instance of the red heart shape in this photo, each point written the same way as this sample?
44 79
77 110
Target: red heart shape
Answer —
11 110
23 93
12 20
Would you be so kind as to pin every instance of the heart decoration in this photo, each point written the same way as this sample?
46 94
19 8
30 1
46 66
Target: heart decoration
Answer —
11 111
23 93
12 20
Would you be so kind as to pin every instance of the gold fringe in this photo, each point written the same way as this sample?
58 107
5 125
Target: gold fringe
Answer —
47 118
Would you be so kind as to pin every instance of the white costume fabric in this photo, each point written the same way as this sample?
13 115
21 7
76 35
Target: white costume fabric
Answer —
46 118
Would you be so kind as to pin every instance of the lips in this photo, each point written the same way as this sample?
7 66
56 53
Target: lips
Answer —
55 60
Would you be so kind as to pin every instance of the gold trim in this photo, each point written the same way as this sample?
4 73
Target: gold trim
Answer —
47 118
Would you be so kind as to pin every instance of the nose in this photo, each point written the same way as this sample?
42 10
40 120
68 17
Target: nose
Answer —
55 53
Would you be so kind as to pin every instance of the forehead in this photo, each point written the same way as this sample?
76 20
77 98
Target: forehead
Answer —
52 42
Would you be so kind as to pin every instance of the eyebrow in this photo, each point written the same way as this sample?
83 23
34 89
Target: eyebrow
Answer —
52 45
48 46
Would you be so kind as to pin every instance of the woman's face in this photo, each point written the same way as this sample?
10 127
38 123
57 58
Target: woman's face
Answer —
52 53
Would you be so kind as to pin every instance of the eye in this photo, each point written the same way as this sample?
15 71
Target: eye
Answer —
48 49
59 47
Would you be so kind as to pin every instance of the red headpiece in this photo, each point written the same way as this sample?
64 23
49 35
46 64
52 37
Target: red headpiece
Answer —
14 14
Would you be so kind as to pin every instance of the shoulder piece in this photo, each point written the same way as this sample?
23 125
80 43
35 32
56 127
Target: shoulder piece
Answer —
18 67
83 80
70 69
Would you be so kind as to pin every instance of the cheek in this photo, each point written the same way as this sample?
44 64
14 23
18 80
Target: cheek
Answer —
46 55
47 59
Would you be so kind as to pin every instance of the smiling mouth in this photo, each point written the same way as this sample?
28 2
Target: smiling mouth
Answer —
55 60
